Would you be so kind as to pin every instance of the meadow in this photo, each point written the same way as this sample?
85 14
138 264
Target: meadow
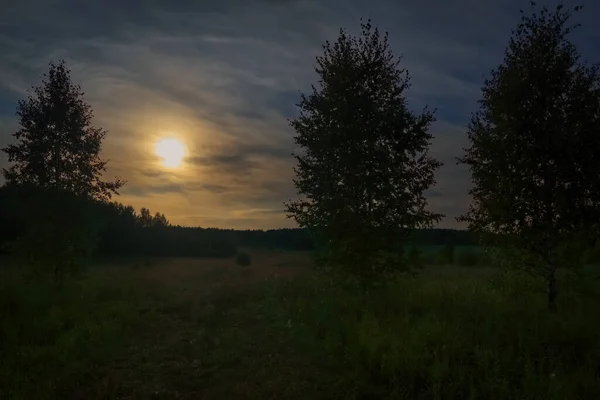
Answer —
185 328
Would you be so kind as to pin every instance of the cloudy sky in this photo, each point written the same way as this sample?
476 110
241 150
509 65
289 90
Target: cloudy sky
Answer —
223 76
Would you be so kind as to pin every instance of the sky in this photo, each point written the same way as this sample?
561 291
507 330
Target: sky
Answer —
224 76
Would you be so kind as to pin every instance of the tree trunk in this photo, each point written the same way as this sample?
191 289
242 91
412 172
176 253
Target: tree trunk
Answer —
552 291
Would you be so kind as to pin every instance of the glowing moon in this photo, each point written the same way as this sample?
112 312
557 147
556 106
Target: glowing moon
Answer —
171 151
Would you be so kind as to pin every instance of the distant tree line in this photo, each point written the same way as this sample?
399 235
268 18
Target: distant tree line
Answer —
124 232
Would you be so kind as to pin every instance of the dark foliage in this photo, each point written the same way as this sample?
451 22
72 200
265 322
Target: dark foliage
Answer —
125 233
56 171
122 232
57 147
243 259
534 148
364 164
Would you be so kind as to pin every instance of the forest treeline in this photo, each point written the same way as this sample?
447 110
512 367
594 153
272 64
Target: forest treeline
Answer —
125 232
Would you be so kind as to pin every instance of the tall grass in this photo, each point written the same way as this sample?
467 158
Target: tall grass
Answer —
459 334
52 339
453 255
454 338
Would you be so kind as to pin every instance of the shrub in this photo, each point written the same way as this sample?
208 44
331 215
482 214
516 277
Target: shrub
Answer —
243 259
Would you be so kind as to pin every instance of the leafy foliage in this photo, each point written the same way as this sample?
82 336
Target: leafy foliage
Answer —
533 149
57 147
57 170
364 164
127 233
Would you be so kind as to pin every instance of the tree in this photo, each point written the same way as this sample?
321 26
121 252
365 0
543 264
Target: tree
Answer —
160 220
533 149
56 164
145 217
119 234
364 164
56 145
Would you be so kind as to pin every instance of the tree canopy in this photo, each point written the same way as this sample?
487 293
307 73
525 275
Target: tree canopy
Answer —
534 144
57 170
364 164
56 145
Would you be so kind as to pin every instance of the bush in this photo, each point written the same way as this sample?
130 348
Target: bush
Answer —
243 259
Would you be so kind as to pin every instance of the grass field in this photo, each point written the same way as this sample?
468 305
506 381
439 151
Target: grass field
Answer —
210 329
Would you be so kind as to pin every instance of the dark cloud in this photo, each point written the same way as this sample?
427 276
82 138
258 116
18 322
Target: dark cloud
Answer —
224 76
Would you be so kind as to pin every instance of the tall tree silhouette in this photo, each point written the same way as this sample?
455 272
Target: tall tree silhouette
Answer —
364 163
57 147
160 220
58 171
145 217
533 149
